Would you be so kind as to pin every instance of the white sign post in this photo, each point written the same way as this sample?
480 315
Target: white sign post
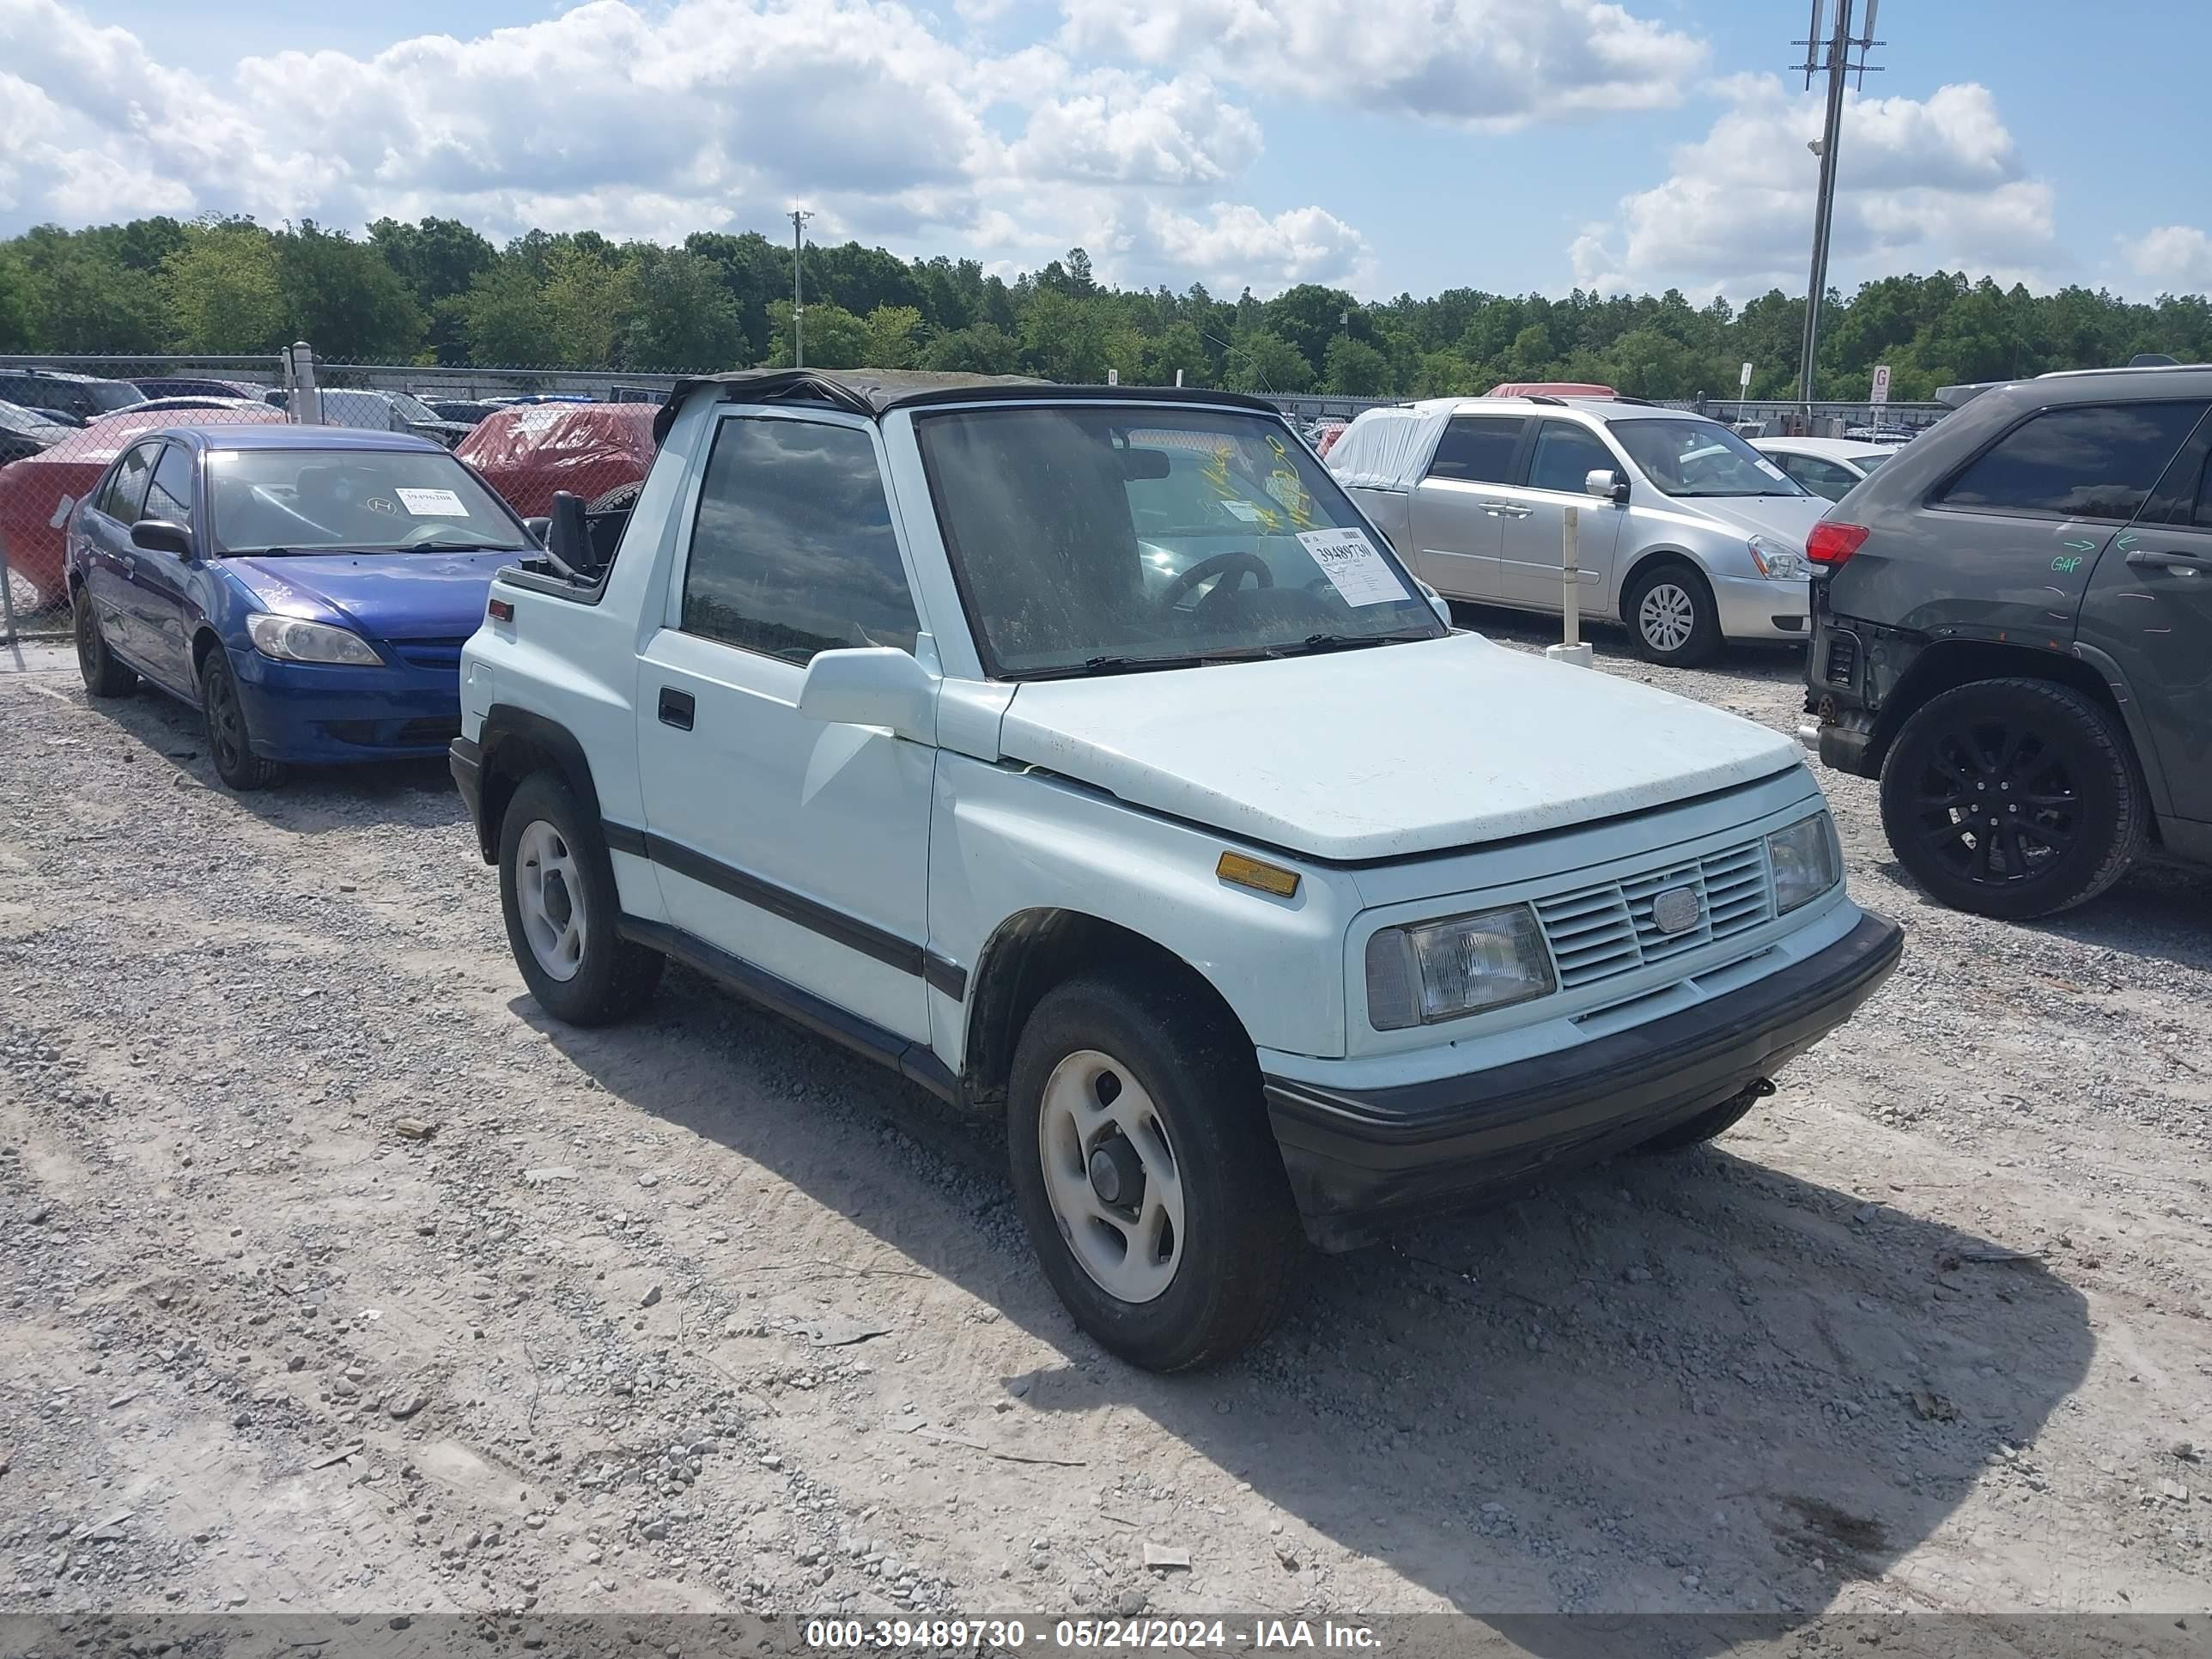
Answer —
1571 593
1743 380
1880 384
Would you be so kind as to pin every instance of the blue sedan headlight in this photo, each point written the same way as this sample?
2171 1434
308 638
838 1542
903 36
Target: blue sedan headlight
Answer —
288 639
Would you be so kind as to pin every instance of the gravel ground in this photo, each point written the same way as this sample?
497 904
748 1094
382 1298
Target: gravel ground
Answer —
337 1278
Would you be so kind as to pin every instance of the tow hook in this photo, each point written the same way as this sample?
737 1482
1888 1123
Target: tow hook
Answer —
1809 733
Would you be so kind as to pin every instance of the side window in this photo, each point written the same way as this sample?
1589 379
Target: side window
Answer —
126 485
2091 461
793 550
1565 455
1478 449
171 497
1821 478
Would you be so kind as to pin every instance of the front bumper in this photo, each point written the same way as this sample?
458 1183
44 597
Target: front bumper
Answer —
324 714
1359 1160
465 761
1753 608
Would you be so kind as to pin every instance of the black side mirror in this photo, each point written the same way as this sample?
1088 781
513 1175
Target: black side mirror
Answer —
568 538
159 535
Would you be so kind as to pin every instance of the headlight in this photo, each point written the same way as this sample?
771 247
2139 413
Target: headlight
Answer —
1773 561
1463 965
1807 861
289 639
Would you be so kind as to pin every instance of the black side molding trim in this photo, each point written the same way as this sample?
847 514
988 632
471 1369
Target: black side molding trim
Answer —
912 1060
940 971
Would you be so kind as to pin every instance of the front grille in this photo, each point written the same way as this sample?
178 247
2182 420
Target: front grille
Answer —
1843 665
400 734
430 653
1607 928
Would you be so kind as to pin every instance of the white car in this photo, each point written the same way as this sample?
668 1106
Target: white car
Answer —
1829 467
1687 535
1086 755
381 411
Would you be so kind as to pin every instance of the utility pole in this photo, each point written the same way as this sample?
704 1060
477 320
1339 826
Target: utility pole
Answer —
1834 55
799 218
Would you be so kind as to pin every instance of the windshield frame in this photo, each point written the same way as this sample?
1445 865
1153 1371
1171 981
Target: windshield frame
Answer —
1136 411
525 544
1728 437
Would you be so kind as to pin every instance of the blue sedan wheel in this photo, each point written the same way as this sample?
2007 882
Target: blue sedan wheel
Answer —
228 741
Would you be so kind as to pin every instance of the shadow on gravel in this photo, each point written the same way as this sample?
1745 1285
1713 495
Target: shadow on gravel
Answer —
2158 911
309 799
1778 660
1694 1385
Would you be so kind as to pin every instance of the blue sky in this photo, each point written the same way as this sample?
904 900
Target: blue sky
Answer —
1503 144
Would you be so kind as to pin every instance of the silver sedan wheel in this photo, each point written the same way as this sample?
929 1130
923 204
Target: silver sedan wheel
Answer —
548 893
1110 1176
1667 616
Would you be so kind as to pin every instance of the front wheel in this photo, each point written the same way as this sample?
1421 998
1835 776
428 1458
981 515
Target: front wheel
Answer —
556 888
2013 798
230 743
1672 618
1146 1173
104 676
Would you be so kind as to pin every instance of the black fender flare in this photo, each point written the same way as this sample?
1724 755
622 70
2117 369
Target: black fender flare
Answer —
513 743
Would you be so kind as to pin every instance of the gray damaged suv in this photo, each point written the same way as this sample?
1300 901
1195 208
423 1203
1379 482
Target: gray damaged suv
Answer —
1693 535
2013 630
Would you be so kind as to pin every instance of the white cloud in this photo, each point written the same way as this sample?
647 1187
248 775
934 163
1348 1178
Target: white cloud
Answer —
2179 258
1305 245
639 121
1922 183
1497 63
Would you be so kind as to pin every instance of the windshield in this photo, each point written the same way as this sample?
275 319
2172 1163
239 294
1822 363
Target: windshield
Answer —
306 501
1101 540
113 394
1872 459
1699 458
411 407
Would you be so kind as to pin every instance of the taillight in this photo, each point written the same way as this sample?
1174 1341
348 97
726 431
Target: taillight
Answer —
501 610
1832 543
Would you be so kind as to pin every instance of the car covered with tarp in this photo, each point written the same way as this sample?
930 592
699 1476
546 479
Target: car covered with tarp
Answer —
527 452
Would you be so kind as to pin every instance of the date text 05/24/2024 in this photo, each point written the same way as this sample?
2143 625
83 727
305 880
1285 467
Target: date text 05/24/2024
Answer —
1083 1635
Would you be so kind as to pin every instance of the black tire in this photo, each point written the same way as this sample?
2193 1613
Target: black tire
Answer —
1709 1125
613 977
620 499
230 743
2060 765
1651 637
104 676
1232 1266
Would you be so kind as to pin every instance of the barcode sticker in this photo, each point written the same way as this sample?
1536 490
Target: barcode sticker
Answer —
1360 574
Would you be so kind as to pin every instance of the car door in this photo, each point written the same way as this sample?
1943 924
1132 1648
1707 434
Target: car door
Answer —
2148 608
798 846
109 558
1457 517
1565 454
160 628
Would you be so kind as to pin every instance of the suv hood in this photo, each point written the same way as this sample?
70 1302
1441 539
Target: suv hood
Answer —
1388 751
1790 518
381 596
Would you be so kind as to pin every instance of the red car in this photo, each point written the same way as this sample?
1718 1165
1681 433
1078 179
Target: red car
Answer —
526 451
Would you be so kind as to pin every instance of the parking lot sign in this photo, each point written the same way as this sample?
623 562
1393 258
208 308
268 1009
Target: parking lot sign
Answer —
1743 380
1880 383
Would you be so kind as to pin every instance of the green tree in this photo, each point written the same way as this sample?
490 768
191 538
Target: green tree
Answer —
502 318
892 342
982 349
1309 316
835 338
342 297
1072 341
224 291
18 320
586 296
680 315
1355 368
86 301
1266 362
1179 346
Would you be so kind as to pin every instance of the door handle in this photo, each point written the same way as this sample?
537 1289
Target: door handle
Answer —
677 707
2178 564
1506 509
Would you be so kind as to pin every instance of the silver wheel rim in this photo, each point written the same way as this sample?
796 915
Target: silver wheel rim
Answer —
1095 1110
548 895
1667 616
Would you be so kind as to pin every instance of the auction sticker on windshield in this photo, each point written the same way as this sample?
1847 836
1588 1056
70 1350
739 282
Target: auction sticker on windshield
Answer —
1360 574
432 503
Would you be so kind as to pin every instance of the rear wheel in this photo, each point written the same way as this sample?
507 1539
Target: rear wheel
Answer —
1671 616
556 888
1146 1173
230 743
2013 798
104 676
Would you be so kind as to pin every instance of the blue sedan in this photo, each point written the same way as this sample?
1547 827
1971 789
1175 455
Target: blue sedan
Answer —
307 588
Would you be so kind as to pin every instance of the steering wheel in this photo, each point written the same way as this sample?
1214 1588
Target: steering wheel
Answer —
1220 565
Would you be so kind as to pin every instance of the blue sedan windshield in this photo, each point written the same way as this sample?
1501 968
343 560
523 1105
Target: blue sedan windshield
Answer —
306 499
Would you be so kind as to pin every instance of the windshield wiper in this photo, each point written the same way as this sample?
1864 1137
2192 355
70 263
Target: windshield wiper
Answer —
1070 670
1353 642
455 547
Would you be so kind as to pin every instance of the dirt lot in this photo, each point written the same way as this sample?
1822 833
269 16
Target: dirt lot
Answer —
336 1279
